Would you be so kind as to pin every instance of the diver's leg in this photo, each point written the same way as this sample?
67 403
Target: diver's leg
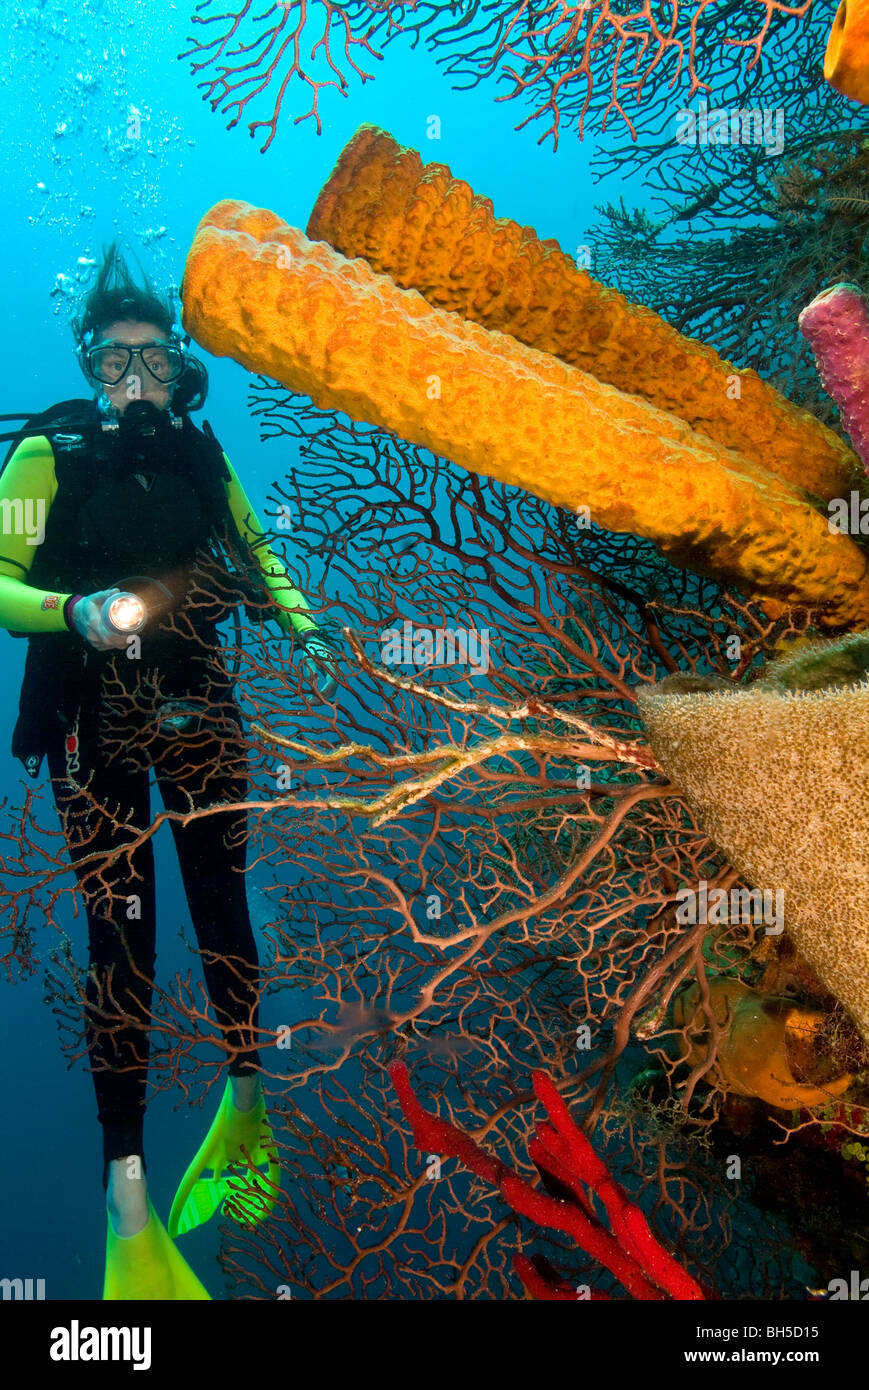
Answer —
246 1091
211 772
127 1195
119 901
212 858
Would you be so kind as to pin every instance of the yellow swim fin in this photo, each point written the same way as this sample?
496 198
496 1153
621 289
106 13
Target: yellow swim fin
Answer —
148 1266
221 1177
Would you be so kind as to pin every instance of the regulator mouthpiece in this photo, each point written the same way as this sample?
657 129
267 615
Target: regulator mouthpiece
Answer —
125 613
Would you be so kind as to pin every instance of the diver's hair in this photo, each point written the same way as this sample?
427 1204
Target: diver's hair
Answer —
115 295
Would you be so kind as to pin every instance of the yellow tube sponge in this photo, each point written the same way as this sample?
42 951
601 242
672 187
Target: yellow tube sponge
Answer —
778 780
257 290
430 232
846 61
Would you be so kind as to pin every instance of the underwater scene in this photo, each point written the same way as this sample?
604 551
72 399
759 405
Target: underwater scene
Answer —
434 577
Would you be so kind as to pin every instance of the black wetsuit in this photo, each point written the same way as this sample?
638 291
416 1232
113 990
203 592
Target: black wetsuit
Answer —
199 771
97 718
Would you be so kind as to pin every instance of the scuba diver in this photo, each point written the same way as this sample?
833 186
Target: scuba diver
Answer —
143 542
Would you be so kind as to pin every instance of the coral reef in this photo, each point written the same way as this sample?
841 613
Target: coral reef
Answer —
259 291
429 231
405 904
741 246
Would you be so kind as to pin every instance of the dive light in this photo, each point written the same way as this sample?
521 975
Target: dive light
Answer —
124 612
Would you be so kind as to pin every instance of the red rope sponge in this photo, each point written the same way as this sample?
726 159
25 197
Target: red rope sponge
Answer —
631 1253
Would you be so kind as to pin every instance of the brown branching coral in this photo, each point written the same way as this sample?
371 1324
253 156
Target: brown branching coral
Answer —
250 51
565 61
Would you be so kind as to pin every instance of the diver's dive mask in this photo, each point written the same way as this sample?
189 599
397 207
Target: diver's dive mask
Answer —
110 362
167 360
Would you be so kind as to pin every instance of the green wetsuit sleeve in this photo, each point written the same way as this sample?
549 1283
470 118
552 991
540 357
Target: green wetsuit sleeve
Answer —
272 569
28 487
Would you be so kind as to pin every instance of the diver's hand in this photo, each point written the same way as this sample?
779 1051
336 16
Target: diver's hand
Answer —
86 616
320 667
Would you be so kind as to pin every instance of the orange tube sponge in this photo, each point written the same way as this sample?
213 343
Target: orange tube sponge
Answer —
257 290
754 1052
846 61
430 232
778 780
